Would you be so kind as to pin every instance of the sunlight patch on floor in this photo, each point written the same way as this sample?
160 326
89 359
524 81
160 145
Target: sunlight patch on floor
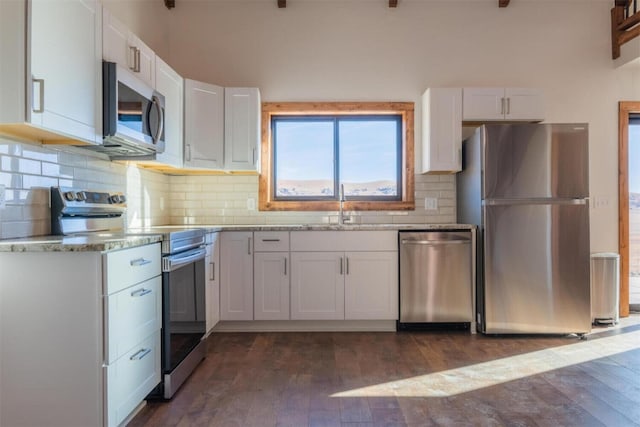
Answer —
487 374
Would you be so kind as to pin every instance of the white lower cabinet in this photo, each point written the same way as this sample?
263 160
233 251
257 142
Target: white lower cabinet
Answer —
212 289
131 378
317 286
271 286
236 275
371 286
344 275
80 335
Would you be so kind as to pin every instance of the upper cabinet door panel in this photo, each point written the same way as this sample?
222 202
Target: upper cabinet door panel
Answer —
171 85
442 130
123 47
524 104
482 104
115 41
66 67
204 125
242 128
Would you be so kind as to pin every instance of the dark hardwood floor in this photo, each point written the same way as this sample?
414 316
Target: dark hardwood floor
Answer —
409 379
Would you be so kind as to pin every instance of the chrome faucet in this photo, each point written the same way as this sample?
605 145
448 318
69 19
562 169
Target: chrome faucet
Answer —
342 219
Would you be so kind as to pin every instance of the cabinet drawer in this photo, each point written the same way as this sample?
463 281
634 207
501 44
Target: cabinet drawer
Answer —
131 378
315 241
131 315
130 266
271 241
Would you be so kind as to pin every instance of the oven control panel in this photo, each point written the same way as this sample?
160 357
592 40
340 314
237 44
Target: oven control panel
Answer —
74 197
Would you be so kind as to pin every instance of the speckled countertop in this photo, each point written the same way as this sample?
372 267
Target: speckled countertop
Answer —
331 227
100 242
89 243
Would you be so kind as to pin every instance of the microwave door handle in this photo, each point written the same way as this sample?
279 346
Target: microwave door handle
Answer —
160 126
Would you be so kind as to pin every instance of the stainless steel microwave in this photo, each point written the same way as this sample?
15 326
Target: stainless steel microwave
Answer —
133 115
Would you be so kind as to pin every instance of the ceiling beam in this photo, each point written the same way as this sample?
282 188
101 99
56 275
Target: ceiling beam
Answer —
170 4
503 3
282 3
393 3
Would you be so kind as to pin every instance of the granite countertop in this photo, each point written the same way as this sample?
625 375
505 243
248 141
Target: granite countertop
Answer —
104 242
89 243
330 227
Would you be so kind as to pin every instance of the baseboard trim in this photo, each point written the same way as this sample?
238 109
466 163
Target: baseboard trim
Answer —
306 326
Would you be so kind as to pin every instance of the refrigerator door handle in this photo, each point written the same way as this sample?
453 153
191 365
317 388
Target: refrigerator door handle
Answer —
535 201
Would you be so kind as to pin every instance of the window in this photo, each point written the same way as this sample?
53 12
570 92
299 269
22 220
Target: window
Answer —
312 151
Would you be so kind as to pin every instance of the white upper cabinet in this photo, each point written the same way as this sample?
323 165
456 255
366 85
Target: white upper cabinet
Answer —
204 125
442 130
495 104
123 47
241 128
170 84
52 76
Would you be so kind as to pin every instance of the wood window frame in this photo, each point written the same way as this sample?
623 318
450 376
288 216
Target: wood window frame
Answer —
625 108
266 198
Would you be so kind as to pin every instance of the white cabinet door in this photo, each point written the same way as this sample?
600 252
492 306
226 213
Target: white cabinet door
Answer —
271 286
236 275
317 285
511 104
115 40
371 285
442 130
204 125
170 84
212 289
241 128
482 104
524 104
123 47
66 68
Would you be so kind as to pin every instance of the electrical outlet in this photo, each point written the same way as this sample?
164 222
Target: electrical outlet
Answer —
3 197
251 204
431 203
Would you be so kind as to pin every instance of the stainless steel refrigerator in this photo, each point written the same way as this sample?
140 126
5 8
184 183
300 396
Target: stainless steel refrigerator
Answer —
527 186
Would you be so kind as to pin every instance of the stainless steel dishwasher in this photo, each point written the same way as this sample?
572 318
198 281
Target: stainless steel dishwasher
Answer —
437 277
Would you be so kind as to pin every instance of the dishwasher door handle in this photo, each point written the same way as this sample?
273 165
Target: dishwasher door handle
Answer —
435 242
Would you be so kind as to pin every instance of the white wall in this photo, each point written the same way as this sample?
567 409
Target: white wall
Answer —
362 50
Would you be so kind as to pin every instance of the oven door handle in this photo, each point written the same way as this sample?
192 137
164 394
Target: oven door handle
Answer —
174 262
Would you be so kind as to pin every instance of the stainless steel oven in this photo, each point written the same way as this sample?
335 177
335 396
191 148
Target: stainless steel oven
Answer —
183 317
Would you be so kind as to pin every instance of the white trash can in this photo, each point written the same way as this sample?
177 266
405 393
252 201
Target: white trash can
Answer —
605 288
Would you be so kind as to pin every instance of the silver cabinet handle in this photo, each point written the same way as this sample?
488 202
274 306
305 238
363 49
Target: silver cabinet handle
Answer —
139 262
502 106
213 271
40 91
508 105
347 264
459 157
140 354
285 266
132 50
188 152
341 260
270 240
253 156
136 59
141 292
249 246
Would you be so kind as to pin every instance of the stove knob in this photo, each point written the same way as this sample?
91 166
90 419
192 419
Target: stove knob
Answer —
122 198
69 195
80 196
114 199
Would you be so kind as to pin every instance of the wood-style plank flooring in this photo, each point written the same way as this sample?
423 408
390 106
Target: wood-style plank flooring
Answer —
410 379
